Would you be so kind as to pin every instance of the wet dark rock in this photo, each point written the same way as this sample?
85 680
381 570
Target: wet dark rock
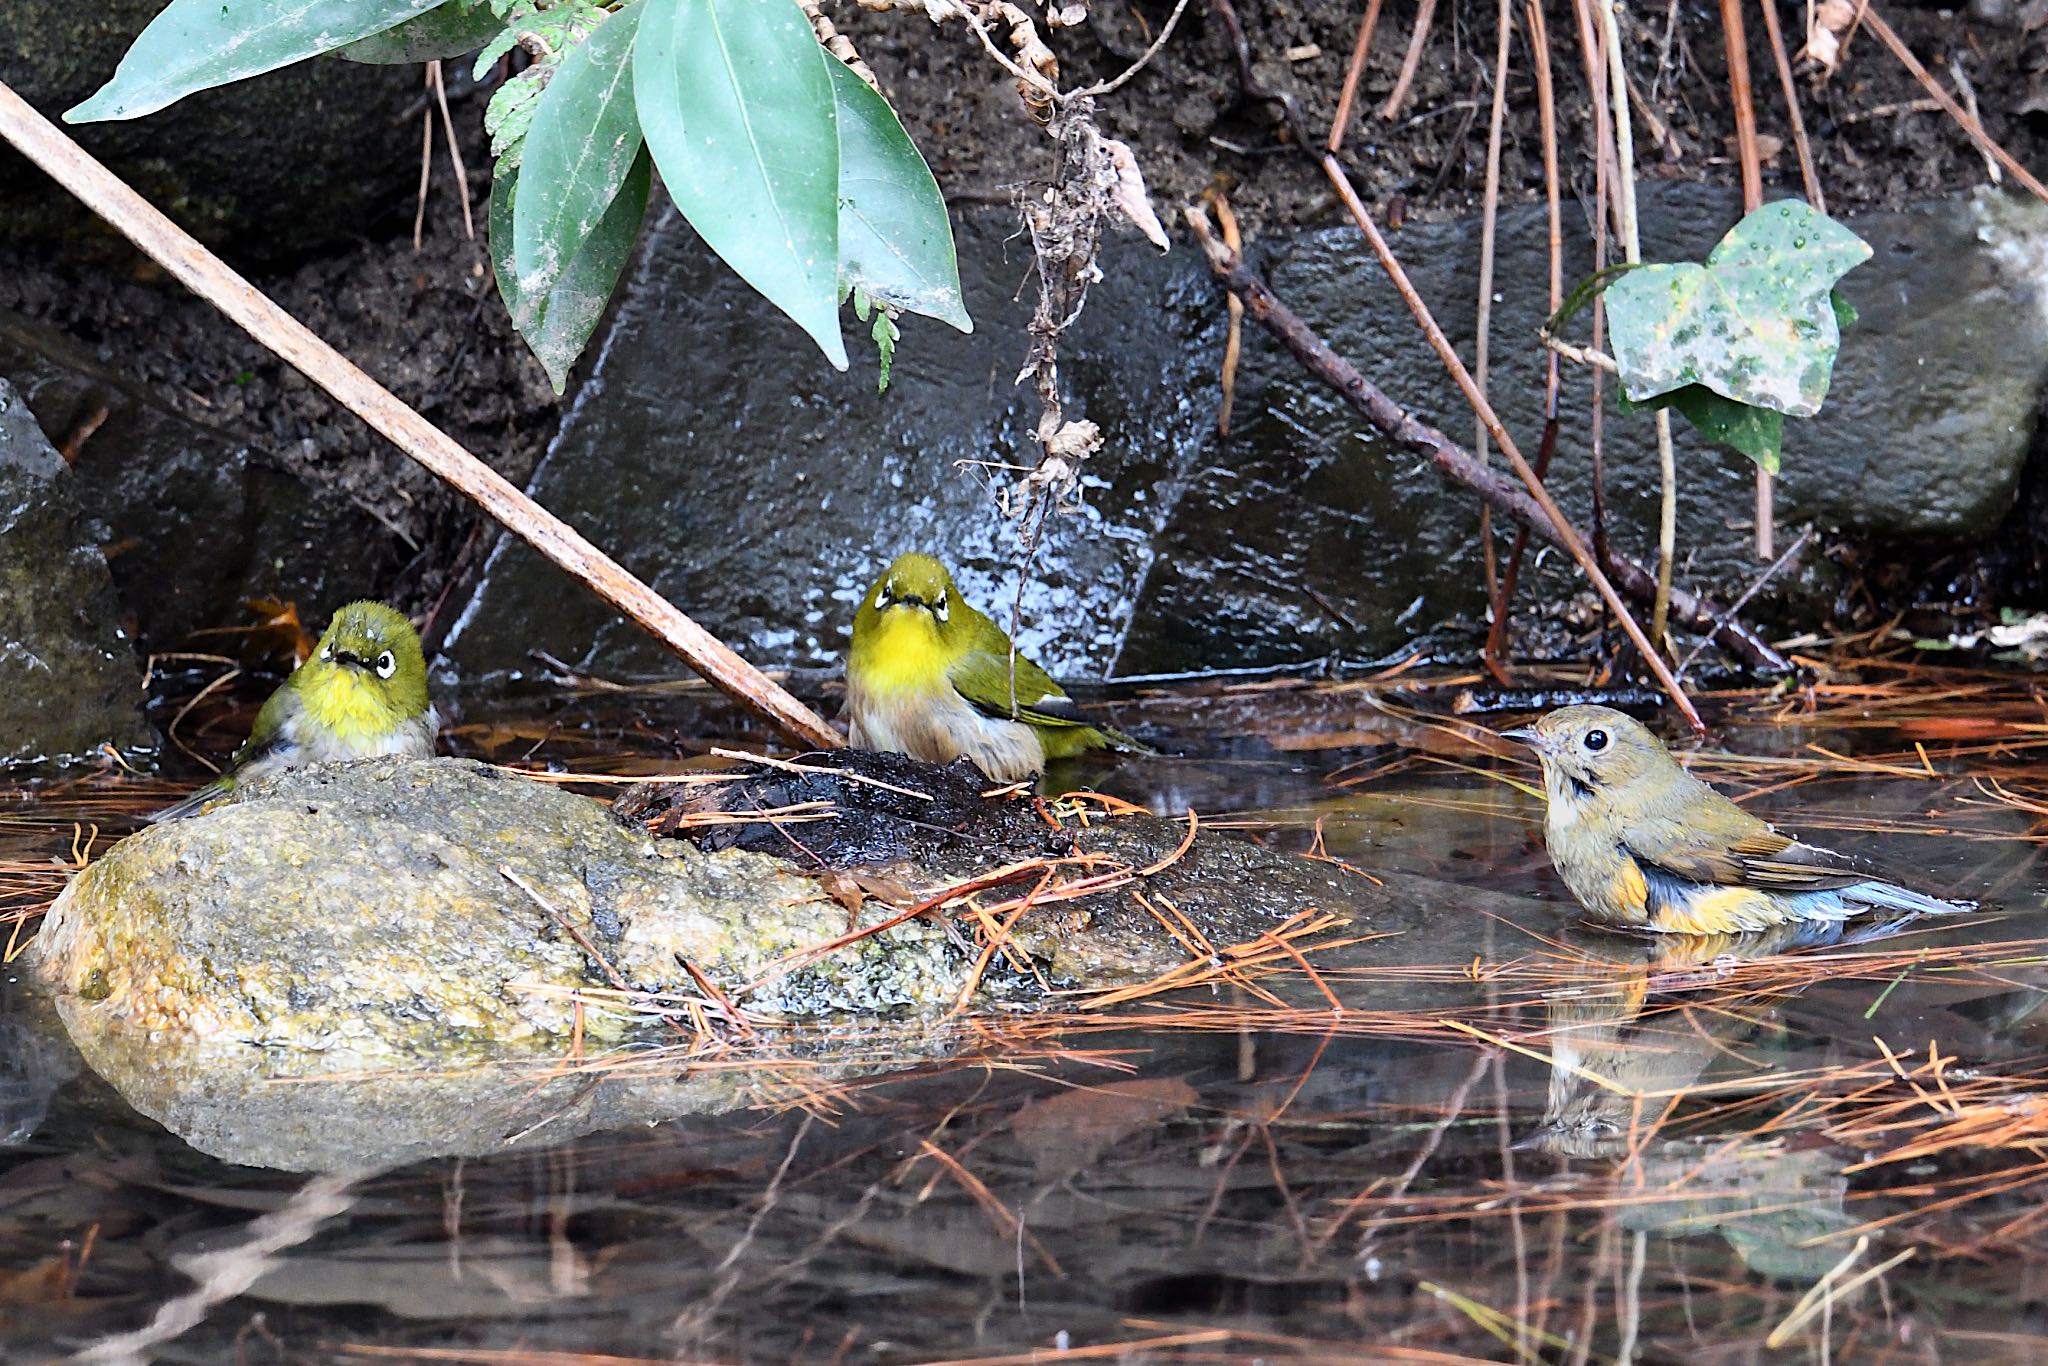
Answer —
69 677
725 462
191 521
277 166
762 492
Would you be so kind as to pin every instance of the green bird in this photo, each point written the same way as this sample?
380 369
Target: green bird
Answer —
363 693
929 676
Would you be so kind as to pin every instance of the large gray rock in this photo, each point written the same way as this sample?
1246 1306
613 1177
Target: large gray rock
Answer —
277 166
716 454
69 678
191 521
423 936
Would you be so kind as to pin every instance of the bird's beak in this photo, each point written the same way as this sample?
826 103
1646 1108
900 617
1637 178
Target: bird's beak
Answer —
1526 735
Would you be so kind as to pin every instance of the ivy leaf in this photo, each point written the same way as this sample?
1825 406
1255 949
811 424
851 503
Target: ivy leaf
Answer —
557 323
1758 433
895 242
449 30
737 108
583 141
198 44
1755 323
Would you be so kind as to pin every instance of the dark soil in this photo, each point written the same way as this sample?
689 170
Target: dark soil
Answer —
1187 116
430 326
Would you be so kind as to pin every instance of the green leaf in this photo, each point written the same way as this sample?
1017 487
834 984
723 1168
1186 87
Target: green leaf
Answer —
1754 323
557 324
497 47
198 44
584 140
510 114
885 334
1845 312
1758 433
895 243
737 107
443 32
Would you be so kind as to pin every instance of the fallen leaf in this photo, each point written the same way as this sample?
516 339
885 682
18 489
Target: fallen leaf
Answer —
1067 1132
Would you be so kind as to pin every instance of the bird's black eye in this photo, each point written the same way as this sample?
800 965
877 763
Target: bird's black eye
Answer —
941 611
386 665
1596 740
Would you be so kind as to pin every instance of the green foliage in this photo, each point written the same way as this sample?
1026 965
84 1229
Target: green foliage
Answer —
560 312
198 44
738 111
884 332
895 243
1758 433
1748 337
788 166
583 140
455 28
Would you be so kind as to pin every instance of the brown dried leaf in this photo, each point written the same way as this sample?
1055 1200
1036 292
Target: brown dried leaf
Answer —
1129 195
1066 1132
1824 36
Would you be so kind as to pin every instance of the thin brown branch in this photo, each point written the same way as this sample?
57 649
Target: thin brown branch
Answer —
1494 655
292 341
1504 19
1876 23
1808 176
1743 98
1340 124
1410 63
1457 464
1568 538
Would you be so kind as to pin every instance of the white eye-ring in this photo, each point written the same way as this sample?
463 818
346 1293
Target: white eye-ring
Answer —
327 653
941 610
881 597
386 665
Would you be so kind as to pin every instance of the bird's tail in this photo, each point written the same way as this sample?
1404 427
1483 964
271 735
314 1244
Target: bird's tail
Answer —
1892 897
193 804
1116 739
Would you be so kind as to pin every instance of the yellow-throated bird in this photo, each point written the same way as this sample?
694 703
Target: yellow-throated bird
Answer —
1645 845
929 676
362 693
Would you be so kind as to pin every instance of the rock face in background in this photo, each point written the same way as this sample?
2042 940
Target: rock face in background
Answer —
716 454
191 521
69 678
230 165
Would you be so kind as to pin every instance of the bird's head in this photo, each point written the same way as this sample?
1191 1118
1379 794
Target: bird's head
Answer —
1596 752
914 592
375 650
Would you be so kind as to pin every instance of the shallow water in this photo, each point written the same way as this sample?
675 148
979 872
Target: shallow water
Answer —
1522 1139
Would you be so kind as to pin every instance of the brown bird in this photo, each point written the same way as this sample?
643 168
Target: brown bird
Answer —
1644 844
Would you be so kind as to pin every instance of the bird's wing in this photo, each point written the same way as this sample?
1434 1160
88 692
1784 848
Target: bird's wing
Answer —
983 678
1761 858
272 731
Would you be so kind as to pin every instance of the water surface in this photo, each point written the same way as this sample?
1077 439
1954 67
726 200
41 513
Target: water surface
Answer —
1521 1140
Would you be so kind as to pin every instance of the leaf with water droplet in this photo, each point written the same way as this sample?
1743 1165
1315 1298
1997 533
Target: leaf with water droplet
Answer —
1758 323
